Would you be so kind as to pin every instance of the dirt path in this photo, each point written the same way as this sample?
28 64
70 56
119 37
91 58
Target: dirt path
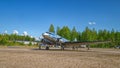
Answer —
32 58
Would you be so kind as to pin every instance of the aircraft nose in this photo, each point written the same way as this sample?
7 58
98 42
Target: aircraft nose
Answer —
45 34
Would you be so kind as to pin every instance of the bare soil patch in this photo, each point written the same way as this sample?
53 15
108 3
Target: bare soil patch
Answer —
33 58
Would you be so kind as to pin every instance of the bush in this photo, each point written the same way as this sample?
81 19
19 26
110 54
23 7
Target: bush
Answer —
30 43
104 45
3 41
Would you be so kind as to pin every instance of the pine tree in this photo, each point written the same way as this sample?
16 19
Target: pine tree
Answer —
112 35
65 32
100 35
79 36
86 34
51 29
117 38
58 30
73 34
94 35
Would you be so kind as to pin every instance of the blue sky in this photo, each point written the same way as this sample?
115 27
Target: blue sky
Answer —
35 16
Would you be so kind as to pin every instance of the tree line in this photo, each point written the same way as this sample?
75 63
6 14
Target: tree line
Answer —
88 35
11 39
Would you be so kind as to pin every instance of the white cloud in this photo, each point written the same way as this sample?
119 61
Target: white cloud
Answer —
91 23
15 32
5 31
31 36
41 37
25 33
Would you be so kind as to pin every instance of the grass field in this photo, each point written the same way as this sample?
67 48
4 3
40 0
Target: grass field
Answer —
16 57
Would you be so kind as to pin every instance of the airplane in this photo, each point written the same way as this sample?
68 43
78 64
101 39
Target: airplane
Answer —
50 38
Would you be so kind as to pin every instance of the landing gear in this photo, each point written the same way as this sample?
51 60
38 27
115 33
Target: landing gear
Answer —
88 47
74 48
47 48
62 47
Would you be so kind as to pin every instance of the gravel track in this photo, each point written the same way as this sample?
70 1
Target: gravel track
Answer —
33 58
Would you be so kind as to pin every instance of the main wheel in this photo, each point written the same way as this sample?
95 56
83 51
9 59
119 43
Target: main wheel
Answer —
47 48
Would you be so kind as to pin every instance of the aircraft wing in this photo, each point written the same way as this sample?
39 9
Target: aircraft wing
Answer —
70 44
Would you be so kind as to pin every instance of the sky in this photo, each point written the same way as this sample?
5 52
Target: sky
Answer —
35 16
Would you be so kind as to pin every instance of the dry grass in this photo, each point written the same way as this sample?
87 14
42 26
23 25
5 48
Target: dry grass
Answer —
31 58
